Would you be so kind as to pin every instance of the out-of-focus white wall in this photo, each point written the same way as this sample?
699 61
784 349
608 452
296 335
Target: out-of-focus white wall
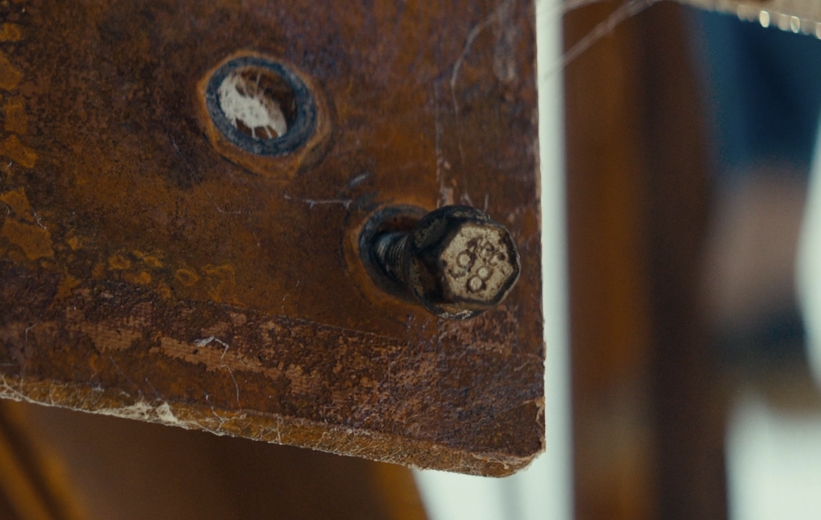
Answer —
774 455
542 491
773 462
809 269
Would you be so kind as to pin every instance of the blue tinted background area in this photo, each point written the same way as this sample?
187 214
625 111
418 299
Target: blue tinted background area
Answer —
762 89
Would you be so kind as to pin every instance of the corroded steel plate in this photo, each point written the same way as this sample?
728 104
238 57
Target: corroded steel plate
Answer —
152 268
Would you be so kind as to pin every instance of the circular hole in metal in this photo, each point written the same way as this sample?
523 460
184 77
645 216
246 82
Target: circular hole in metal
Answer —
261 105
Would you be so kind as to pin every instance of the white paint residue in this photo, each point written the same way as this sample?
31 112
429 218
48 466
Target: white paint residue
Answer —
242 101
165 414
205 341
141 411
346 203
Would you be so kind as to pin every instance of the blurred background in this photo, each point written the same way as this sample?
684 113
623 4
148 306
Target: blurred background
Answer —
682 303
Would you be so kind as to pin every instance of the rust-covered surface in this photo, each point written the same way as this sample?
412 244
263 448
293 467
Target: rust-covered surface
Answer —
146 273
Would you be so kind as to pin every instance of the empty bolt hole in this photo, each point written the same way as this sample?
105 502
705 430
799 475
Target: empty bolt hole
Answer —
258 102
260 105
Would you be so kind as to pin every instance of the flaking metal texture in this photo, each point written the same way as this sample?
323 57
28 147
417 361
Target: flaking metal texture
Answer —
143 274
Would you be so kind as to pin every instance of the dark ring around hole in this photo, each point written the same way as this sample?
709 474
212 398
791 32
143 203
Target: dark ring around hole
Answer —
297 133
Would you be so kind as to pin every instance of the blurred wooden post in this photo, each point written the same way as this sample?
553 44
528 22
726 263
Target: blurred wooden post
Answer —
648 423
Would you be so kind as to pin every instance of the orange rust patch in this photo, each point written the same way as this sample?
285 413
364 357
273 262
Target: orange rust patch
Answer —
149 260
10 32
16 119
163 290
186 277
18 202
119 262
17 152
222 283
9 75
238 319
67 283
139 279
98 272
215 355
302 383
34 241
119 334
110 338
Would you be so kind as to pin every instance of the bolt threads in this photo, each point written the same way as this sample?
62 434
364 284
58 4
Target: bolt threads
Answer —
390 250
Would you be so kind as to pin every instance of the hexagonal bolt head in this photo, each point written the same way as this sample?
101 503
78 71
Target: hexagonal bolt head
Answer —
456 261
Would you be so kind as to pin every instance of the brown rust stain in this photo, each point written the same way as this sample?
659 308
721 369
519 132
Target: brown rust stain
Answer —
10 32
493 331
362 388
16 118
17 201
141 278
67 284
187 277
32 239
303 383
119 262
98 272
10 76
221 282
117 334
151 260
215 355
18 152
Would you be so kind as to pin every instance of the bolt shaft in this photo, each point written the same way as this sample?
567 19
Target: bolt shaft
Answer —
390 250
